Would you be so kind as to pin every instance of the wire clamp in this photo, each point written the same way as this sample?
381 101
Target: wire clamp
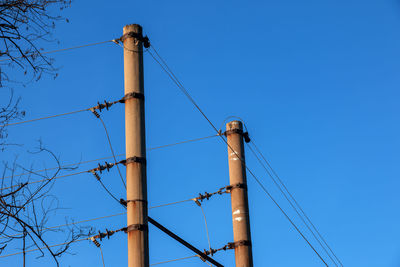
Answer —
136 227
210 252
137 36
238 185
135 159
245 135
125 202
130 95
239 243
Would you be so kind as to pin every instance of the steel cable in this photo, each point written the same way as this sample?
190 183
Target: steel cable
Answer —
43 180
172 76
36 249
44 118
109 157
169 261
112 150
102 257
296 206
61 50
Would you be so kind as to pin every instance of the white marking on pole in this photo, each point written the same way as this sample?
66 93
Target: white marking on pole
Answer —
238 219
236 212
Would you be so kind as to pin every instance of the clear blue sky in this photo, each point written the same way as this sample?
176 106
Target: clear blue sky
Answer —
316 83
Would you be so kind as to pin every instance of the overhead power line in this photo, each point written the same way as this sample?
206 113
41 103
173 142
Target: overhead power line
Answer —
100 168
109 157
201 197
36 249
43 180
72 223
174 260
77 47
294 203
44 118
99 106
60 50
173 77
92 238
183 142
59 167
111 149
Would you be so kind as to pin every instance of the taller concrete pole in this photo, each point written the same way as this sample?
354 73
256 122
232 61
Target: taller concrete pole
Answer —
136 181
240 206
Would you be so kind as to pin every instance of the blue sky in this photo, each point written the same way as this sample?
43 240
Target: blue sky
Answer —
315 82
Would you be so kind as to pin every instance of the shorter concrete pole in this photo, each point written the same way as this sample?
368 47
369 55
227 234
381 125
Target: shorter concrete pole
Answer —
240 206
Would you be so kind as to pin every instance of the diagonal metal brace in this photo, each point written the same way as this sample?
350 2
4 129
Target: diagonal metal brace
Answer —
183 242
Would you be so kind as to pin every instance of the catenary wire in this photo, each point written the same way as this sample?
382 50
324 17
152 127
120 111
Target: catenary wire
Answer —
102 257
183 142
36 249
60 167
292 205
44 118
109 157
284 213
108 191
180 86
112 150
205 222
76 47
293 198
62 49
81 172
103 217
172 76
51 246
72 223
174 260
167 204
172 203
43 180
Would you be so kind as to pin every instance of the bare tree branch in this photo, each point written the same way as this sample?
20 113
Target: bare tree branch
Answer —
26 209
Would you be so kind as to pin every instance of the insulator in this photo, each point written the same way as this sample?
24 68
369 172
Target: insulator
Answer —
108 165
95 242
96 175
107 104
96 113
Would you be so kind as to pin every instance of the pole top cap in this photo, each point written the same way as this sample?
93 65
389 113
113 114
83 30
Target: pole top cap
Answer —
234 125
133 28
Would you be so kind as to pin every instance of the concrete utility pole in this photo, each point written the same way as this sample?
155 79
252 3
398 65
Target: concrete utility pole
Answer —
136 181
240 206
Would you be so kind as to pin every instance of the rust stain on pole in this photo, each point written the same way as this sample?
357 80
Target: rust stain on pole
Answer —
136 181
239 201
